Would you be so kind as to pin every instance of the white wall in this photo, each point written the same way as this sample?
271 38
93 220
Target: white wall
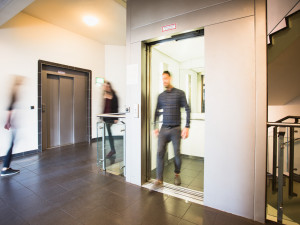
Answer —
276 112
23 41
230 117
115 71
235 49
277 10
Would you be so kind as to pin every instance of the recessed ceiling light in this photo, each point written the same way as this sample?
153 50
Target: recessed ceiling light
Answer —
90 20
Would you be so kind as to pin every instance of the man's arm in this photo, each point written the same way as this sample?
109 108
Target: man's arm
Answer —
156 116
8 124
187 109
185 131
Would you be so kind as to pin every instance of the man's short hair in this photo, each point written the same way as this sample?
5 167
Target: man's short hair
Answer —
167 72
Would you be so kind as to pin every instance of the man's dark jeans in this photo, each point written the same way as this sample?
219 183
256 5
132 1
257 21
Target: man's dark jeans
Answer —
165 136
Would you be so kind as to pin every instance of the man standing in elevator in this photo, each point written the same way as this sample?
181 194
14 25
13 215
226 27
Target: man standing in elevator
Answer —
169 104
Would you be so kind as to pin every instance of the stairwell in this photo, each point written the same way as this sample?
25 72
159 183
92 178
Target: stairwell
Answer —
284 62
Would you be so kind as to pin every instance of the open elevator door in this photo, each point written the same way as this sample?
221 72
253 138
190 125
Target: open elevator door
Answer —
183 56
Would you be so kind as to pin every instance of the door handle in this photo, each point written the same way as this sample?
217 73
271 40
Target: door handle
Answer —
43 107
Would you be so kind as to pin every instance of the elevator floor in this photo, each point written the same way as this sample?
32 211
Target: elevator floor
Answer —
63 186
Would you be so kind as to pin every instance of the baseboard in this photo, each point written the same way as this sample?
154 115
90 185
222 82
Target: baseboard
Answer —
22 154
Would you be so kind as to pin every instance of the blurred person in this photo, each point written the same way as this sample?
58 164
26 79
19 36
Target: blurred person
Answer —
10 124
111 105
169 104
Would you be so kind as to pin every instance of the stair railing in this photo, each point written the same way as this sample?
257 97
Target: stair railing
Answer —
279 130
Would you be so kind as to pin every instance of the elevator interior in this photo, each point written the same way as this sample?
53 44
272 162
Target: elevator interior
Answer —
65 107
185 61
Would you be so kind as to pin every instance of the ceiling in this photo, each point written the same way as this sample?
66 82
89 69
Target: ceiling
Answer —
68 14
184 51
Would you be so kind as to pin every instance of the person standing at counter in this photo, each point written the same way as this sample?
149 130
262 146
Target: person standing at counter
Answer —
111 105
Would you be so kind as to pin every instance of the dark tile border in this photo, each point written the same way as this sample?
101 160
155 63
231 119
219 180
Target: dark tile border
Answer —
41 63
21 154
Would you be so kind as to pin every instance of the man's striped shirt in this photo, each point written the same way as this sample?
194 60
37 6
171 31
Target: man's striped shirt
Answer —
168 104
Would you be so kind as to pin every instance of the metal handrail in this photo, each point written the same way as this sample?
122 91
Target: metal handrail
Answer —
271 124
288 117
279 146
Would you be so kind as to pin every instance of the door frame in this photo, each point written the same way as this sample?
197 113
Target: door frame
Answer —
41 64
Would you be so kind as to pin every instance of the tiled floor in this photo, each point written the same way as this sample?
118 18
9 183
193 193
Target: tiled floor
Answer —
64 186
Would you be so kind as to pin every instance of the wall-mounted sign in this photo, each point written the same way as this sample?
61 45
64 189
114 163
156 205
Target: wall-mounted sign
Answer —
61 72
99 81
168 27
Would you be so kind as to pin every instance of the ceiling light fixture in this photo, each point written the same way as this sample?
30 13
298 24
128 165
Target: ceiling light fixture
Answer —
90 20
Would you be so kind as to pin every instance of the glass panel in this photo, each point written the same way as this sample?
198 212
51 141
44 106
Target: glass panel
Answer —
291 204
113 148
186 65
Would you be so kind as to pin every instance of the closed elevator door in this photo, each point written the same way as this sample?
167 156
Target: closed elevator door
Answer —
64 110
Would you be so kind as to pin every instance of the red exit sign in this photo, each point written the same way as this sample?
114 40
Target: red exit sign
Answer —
169 27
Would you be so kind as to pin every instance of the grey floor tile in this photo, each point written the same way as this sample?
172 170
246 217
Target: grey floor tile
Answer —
46 190
200 215
9 195
56 217
161 219
65 186
101 215
9 217
176 207
227 219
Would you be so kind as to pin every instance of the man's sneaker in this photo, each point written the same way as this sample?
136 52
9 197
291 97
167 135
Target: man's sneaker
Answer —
177 179
9 172
156 185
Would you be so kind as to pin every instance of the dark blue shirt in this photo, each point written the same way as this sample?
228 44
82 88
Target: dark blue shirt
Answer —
170 102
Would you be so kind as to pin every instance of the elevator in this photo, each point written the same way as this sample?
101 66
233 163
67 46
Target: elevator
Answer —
65 107
183 56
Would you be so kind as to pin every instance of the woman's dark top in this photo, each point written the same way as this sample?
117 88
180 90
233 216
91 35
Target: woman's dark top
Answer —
111 106
107 108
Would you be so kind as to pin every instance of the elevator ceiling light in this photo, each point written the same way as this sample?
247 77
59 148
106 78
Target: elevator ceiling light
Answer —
90 20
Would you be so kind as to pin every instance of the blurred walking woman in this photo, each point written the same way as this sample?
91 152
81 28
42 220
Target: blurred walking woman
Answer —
111 105
11 124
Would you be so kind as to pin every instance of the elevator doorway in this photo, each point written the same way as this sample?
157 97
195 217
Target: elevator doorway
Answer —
183 57
65 107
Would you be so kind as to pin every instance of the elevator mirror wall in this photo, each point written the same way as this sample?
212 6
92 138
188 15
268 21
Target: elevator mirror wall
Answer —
184 59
